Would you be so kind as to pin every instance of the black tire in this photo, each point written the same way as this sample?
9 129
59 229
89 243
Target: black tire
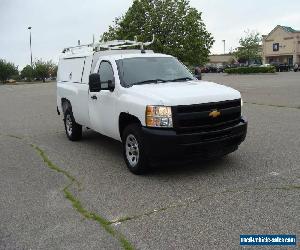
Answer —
132 134
73 130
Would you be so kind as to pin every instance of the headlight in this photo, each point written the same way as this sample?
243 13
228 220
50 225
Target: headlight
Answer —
159 116
242 103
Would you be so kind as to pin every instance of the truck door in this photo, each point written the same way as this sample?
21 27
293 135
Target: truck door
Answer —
102 104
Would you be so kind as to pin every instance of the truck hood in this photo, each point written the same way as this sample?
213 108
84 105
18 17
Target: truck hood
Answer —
184 93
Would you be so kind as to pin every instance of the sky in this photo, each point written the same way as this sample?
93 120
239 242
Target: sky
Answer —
61 23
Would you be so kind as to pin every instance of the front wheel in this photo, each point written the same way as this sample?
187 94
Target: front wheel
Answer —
73 130
133 149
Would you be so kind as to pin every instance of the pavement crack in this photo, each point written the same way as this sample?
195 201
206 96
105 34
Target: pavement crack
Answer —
15 136
190 201
76 203
53 166
272 105
12 136
106 224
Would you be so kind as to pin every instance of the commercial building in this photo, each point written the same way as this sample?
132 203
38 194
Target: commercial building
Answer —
222 59
282 45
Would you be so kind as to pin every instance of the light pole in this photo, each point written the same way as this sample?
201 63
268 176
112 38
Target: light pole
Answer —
30 45
224 45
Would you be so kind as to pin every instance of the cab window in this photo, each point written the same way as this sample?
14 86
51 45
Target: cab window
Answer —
106 74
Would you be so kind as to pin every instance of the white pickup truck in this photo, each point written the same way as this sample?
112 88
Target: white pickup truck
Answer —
150 102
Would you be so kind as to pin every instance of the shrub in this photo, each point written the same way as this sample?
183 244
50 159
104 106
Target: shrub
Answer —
16 77
250 70
7 70
27 73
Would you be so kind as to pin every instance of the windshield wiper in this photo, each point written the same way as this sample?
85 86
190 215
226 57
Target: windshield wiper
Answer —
181 79
150 81
161 81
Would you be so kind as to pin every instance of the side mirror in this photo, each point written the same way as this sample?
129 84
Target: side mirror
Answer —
199 77
111 85
108 85
94 82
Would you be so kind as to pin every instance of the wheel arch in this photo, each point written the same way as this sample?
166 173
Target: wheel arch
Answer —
65 103
125 119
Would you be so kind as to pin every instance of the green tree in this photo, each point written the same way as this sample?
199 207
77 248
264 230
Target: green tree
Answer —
7 70
28 73
53 70
250 48
43 69
178 29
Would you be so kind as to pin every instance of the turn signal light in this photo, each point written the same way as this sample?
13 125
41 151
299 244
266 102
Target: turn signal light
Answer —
159 116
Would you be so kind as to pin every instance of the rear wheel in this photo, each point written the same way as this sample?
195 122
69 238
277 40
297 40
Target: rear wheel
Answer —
73 130
133 149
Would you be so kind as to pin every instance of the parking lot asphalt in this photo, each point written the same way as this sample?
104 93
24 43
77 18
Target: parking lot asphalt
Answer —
57 194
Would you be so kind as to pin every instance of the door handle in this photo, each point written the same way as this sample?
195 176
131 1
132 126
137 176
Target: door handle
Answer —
94 97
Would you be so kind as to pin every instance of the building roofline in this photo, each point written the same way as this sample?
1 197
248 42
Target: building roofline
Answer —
285 28
290 29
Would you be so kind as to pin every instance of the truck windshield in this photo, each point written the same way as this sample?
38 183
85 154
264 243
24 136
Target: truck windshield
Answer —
145 70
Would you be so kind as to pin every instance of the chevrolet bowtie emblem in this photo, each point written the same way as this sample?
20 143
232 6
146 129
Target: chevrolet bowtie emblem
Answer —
214 114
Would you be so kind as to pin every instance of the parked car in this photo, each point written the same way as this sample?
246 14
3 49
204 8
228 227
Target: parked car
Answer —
280 67
150 102
266 65
11 81
220 68
209 68
213 68
205 69
254 65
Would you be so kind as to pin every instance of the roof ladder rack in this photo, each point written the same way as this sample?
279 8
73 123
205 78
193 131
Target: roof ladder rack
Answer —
111 45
